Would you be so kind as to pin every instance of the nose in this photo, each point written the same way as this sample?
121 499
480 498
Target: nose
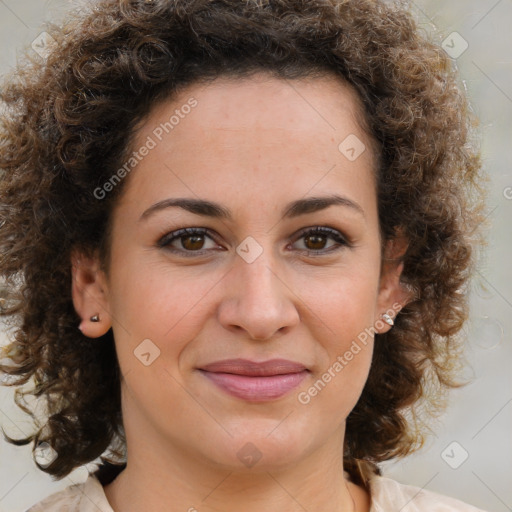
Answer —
258 300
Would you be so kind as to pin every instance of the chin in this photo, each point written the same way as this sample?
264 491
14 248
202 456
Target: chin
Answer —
259 450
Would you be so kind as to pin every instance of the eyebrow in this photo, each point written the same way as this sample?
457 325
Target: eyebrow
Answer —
215 210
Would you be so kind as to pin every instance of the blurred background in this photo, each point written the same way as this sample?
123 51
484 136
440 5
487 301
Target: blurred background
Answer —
469 454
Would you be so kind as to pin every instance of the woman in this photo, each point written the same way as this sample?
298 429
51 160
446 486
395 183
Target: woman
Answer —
240 237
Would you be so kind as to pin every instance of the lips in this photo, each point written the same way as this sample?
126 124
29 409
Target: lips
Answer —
255 381
254 369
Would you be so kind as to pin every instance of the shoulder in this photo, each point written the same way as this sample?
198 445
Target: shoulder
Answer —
388 494
84 497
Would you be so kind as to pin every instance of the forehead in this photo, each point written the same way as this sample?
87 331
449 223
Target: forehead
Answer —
324 104
307 96
257 131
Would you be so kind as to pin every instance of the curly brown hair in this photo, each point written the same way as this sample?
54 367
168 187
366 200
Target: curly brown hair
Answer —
69 122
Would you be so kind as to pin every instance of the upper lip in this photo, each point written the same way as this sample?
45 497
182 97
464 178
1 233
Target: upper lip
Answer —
254 368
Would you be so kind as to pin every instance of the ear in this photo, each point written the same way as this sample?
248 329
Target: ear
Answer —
393 295
90 294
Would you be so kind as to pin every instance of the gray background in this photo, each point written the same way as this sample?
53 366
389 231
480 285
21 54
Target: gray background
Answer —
479 416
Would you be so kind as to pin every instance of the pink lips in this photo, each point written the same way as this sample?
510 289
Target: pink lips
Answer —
255 382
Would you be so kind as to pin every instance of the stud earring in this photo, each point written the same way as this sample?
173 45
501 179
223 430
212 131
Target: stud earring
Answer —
95 318
388 319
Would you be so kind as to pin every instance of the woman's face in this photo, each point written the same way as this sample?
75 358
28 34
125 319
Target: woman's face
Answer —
267 273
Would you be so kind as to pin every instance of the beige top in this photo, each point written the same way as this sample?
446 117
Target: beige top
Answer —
387 495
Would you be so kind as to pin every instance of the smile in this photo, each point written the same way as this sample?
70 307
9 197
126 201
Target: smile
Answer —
253 381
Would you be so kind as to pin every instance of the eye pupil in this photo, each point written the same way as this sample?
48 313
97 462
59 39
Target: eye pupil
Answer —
318 241
197 242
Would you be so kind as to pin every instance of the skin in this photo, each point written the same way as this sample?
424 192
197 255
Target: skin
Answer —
253 146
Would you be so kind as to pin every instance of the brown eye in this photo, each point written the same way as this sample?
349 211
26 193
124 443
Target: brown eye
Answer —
192 242
187 241
317 240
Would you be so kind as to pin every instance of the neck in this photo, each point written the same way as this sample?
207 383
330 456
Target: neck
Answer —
168 469
173 480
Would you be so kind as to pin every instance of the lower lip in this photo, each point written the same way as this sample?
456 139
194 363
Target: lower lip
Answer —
256 389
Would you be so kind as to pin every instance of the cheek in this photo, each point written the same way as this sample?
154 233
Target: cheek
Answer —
340 318
343 303
344 347
152 302
348 344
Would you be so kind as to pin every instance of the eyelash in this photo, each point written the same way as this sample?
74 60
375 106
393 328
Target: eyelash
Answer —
335 235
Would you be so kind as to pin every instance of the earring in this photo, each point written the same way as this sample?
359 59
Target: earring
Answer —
95 318
388 319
